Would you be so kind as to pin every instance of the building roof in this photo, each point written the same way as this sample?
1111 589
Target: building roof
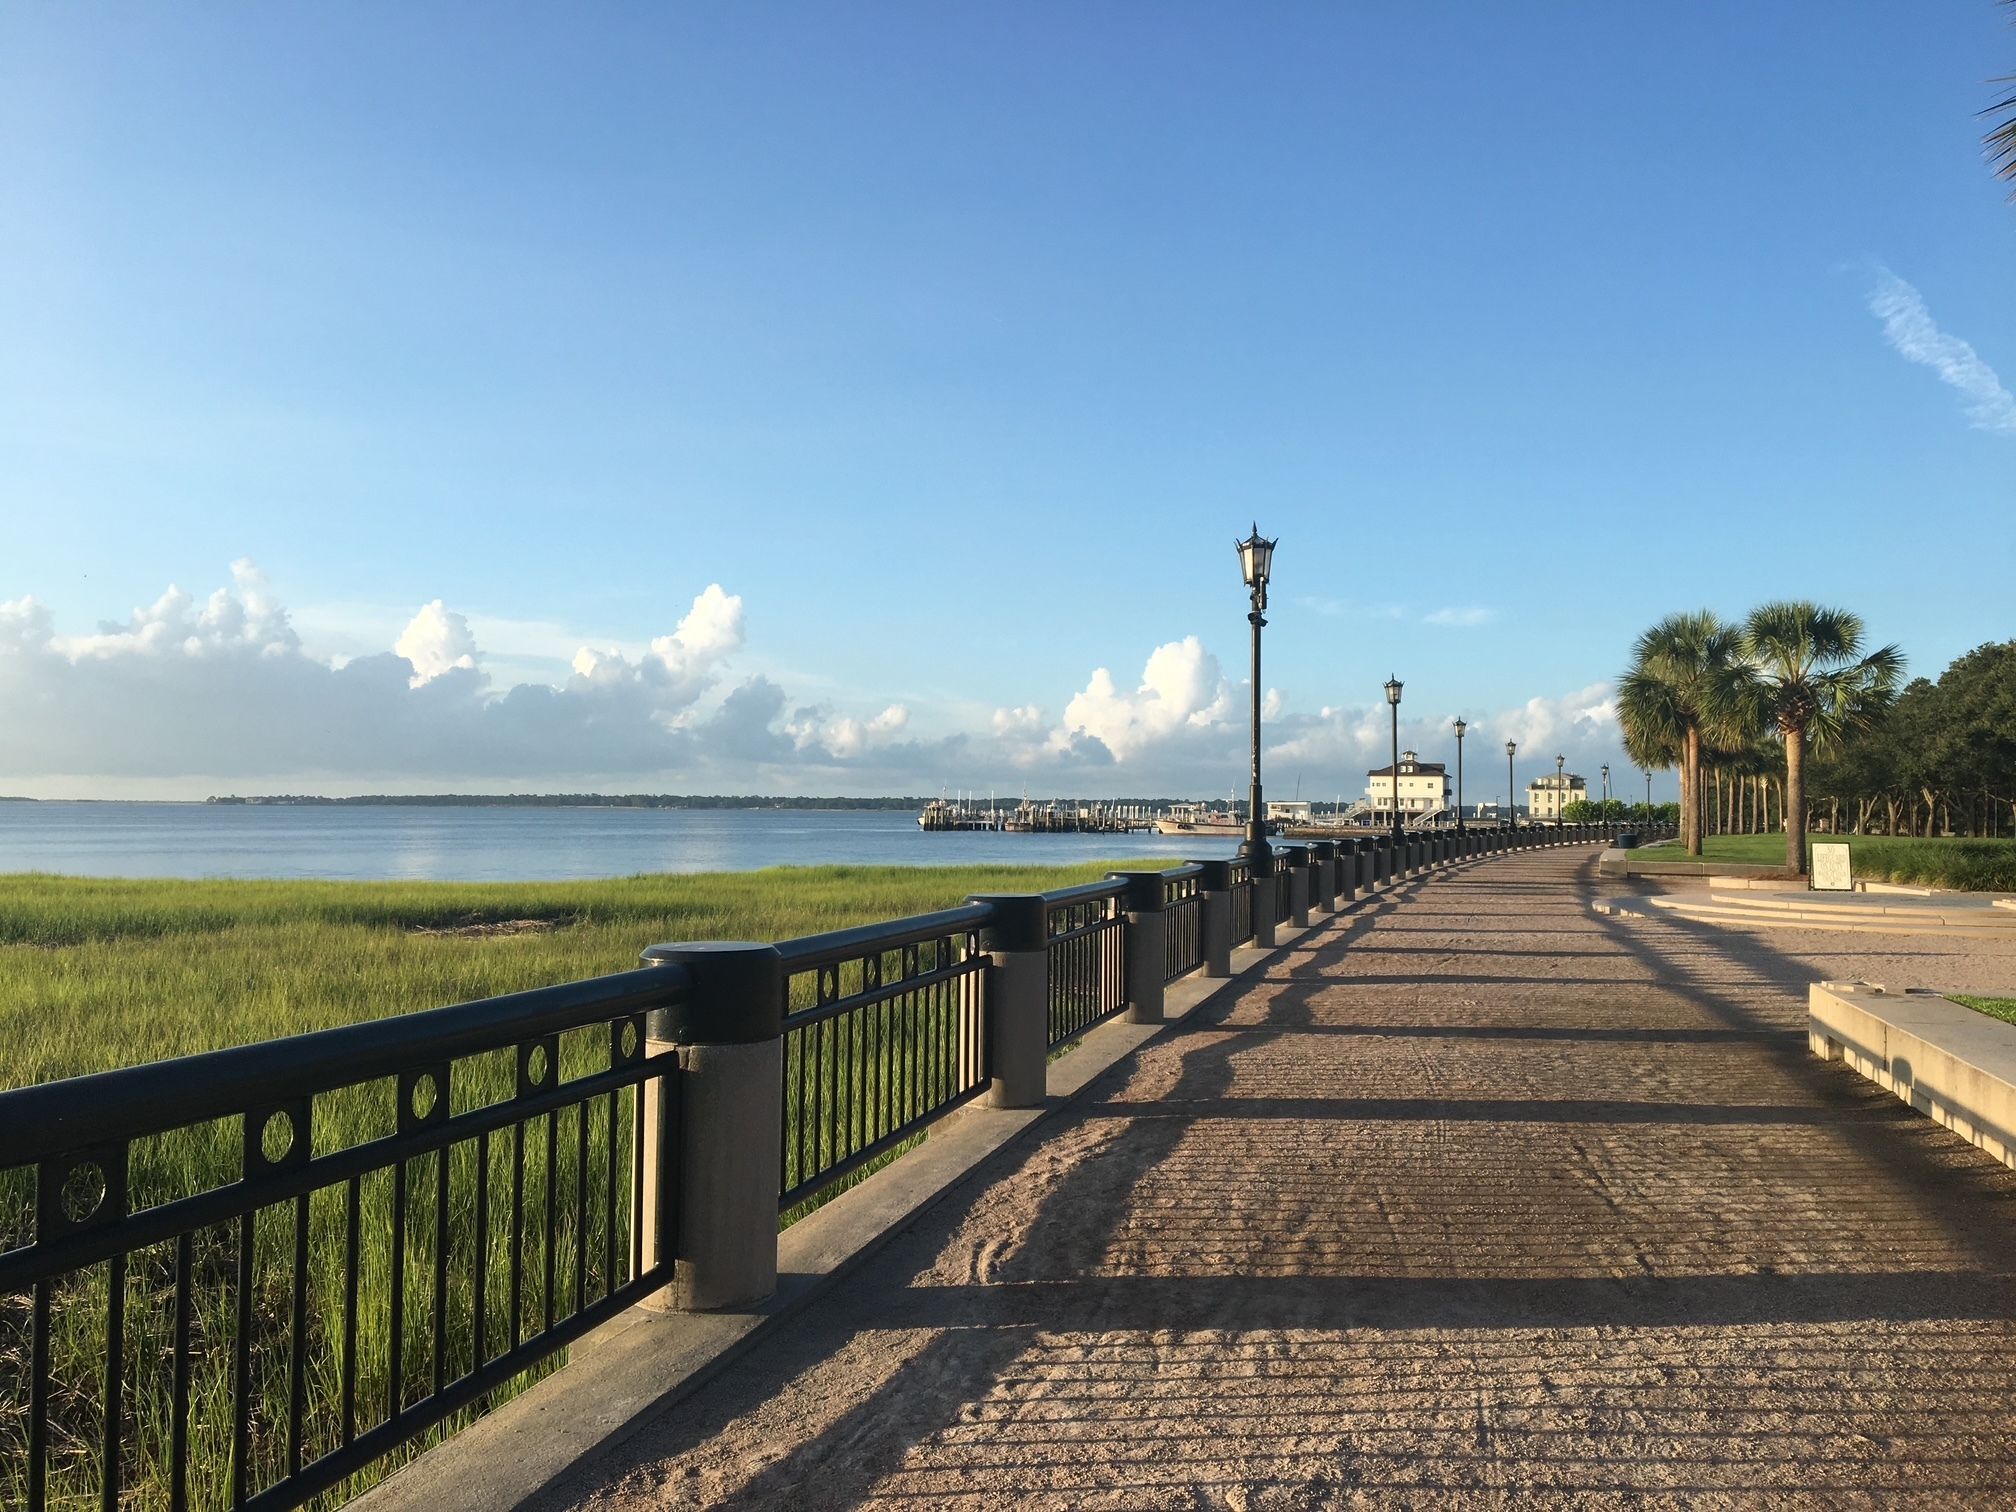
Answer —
1412 769
1571 780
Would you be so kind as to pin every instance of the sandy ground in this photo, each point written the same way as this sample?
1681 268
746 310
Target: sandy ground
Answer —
1480 1199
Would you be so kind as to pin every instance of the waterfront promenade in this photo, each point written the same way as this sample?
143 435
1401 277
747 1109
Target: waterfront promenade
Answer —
1471 1195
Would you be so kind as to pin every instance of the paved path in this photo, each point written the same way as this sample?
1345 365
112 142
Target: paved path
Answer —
1478 1198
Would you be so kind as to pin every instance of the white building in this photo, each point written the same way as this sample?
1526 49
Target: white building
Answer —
1547 796
1423 787
1291 811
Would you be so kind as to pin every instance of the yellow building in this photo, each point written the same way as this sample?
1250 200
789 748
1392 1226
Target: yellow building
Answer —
1547 796
1423 787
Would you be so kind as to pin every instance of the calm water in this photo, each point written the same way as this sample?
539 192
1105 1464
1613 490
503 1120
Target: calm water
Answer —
507 845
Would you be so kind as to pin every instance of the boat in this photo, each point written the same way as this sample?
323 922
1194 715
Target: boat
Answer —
1198 819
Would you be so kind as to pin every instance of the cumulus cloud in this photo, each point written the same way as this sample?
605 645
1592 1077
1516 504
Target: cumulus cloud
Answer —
1909 328
220 687
218 693
1181 689
436 641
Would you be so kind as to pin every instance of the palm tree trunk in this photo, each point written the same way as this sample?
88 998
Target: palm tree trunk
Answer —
1795 799
1690 797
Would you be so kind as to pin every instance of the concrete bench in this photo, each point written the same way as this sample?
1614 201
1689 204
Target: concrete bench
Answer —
1943 1058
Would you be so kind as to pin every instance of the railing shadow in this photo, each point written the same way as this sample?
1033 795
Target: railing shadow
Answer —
1620 1236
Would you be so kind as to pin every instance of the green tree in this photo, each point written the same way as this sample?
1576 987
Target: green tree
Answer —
1675 697
1803 673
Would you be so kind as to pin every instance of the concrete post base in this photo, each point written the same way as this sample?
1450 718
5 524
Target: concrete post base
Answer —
1147 947
730 1143
1018 1027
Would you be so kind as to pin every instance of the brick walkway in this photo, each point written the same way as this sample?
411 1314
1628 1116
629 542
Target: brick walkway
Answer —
1475 1197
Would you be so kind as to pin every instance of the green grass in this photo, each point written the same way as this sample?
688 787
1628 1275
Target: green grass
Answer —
2001 1008
100 974
1963 865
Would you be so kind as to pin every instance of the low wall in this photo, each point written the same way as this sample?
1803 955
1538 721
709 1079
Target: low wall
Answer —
1944 1059
1669 863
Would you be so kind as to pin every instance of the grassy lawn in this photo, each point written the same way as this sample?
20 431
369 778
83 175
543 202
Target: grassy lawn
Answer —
2001 1008
1968 865
100 974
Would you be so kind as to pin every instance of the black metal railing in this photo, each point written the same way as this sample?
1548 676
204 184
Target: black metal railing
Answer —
1087 963
250 1277
1243 891
883 1033
1183 909
247 1275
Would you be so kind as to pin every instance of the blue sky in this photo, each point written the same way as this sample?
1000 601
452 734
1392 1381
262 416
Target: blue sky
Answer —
957 343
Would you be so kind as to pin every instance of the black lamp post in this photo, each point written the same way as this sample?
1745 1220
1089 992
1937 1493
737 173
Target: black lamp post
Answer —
1256 564
1560 791
1511 807
1460 728
1393 699
1648 797
1606 790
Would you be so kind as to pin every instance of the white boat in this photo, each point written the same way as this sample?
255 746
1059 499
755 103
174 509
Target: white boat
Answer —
1197 819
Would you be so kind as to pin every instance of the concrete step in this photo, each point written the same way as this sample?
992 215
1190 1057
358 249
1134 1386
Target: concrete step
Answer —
1743 914
1808 906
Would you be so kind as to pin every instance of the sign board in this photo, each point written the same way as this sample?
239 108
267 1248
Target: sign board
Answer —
1829 869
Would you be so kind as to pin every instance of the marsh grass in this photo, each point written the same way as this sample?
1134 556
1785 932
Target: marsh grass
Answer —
96 975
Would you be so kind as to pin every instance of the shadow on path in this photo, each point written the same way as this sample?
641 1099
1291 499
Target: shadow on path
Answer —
1481 1232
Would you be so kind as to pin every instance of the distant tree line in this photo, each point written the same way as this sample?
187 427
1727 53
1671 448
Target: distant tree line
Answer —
579 800
1940 761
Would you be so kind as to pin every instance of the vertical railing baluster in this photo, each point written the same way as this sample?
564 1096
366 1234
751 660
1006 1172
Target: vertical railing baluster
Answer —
479 1259
352 1260
395 1385
518 1229
115 1375
552 1202
38 1399
580 1206
637 1153
241 1368
297 1352
441 1158
609 1206
178 1419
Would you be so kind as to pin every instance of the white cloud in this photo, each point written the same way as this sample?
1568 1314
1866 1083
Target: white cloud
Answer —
436 641
220 688
218 694
1460 616
1181 689
1910 330
1579 719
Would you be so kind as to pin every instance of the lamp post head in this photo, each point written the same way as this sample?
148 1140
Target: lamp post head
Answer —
1460 727
1256 560
1511 747
1606 771
1393 691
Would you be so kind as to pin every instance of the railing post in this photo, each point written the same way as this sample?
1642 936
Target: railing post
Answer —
1215 926
1294 864
1265 898
1145 944
1017 943
1323 876
729 1140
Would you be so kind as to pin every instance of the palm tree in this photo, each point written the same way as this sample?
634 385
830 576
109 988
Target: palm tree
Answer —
1675 696
2001 141
1803 674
